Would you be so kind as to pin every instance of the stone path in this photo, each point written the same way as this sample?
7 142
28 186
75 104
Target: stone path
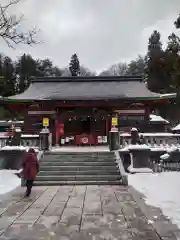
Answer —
78 213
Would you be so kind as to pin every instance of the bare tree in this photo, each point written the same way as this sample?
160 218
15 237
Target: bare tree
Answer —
10 27
66 72
119 69
85 72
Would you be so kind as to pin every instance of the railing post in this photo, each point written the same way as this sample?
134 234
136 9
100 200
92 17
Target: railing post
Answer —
44 143
114 139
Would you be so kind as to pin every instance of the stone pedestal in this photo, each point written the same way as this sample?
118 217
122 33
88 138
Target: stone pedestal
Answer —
44 139
114 139
126 158
140 158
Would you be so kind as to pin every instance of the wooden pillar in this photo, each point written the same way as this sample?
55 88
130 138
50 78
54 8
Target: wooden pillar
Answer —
56 130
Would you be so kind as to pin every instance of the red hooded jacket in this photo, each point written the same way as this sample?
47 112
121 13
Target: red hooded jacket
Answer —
30 166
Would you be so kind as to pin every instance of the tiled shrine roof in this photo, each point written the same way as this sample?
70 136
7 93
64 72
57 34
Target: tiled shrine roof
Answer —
87 88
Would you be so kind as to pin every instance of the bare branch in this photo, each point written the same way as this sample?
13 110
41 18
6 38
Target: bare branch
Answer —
11 2
10 27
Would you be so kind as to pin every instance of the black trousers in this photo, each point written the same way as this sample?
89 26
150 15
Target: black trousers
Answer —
29 185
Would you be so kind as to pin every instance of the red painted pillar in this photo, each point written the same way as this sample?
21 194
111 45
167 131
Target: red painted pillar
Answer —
57 135
59 131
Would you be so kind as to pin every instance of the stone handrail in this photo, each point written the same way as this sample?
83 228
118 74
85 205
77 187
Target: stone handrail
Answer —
123 173
26 140
152 139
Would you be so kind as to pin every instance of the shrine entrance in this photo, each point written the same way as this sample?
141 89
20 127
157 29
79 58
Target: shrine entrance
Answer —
82 128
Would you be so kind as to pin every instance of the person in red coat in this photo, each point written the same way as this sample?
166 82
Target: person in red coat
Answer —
30 169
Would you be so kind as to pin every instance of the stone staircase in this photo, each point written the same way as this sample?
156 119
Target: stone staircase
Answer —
78 168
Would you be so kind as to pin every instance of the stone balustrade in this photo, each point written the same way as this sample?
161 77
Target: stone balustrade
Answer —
26 140
152 139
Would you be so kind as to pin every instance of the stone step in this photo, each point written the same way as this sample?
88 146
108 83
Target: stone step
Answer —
106 153
79 159
79 178
78 168
73 163
79 172
59 183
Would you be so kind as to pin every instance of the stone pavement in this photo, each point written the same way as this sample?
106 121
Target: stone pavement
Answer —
80 213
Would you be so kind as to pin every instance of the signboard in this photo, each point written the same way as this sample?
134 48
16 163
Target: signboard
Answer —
45 122
132 118
41 112
131 111
114 121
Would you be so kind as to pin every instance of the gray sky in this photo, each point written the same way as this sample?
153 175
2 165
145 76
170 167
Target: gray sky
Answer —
101 32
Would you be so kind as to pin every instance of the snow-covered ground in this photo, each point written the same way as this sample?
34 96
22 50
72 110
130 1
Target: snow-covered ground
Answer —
8 181
161 190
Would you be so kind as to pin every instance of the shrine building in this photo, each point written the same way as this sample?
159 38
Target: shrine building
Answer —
82 110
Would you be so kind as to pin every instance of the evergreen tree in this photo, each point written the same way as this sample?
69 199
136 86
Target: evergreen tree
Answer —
25 69
56 71
44 67
156 77
2 82
8 72
137 67
173 61
74 66
86 72
177 22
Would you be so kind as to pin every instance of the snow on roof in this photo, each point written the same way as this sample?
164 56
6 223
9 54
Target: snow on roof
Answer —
177 128
156 118
173 95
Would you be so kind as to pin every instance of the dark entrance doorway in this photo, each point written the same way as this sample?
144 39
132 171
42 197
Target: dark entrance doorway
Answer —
86 125
84 128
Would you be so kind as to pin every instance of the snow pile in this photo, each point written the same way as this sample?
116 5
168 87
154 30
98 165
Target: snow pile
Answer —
135 147
139 147
8 181
164 156
156 118
161 190
21 148
177 128
158 149
172 149
124 149
139 170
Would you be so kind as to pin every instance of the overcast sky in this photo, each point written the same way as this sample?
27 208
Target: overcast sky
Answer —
101 32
